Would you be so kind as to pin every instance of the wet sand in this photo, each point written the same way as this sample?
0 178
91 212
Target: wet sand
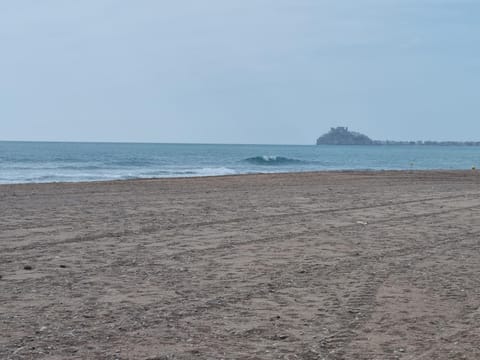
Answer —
289 266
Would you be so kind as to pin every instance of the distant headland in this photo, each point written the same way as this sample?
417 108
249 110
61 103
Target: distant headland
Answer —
342 136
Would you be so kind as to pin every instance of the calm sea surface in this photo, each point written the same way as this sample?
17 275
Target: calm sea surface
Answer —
23 162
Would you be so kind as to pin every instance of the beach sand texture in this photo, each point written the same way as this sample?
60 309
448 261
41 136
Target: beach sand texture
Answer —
373 265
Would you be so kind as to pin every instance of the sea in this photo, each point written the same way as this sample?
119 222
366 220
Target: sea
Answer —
40 162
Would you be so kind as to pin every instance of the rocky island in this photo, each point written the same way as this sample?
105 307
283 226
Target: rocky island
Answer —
342 136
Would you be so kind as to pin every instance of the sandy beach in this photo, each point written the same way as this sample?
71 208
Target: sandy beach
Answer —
372 265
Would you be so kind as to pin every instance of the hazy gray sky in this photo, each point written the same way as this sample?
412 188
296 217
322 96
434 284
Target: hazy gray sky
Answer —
238 71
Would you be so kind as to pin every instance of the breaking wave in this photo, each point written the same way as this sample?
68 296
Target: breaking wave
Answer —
272 160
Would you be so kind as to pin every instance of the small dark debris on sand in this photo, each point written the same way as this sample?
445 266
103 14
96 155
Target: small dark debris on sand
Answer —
28 267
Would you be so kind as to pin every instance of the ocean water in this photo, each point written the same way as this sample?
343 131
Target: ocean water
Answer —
25 162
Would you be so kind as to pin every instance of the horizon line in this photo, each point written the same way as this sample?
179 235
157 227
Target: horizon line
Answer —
149 142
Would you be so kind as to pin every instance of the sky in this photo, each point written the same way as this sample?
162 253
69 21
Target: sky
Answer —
238 71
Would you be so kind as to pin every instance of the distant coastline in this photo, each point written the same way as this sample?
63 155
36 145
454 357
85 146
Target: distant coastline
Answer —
342 136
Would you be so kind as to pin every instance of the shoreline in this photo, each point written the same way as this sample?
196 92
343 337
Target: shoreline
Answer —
293 173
